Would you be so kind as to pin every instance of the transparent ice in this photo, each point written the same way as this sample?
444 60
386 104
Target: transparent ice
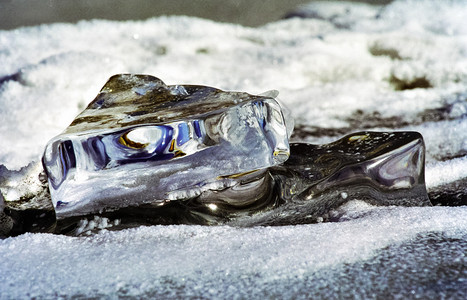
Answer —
380 168
146 153
143 142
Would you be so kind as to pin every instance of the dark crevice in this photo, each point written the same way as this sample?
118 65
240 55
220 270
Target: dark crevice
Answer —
415 83
450 156
12 77
392 53
451 194
360 120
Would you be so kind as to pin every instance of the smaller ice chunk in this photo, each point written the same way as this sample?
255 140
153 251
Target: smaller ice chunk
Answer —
380 168
141 141
383 168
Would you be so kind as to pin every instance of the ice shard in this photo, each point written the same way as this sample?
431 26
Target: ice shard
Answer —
141 141
381 168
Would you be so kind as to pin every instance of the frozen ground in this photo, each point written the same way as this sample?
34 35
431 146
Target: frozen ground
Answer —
351 67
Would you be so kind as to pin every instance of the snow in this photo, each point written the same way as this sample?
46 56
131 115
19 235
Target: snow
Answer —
221 261
339 73
439 173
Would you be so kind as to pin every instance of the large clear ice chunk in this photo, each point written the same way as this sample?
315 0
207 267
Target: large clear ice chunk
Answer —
141 141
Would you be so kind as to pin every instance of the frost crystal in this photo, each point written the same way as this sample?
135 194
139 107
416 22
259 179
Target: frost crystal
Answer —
141 141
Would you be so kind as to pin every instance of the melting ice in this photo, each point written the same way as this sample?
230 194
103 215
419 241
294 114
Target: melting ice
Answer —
198 155
141 141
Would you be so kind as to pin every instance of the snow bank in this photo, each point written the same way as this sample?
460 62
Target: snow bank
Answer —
220 262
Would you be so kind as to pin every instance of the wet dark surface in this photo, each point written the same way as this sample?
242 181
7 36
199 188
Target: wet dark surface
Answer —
452 194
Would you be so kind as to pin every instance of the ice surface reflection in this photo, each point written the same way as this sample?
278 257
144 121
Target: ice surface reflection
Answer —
147 153
143 142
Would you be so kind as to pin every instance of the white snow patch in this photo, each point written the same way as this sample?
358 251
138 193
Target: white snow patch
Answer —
138 261
439 173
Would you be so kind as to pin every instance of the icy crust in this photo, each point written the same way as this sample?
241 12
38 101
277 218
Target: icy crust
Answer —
225 262
141 141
